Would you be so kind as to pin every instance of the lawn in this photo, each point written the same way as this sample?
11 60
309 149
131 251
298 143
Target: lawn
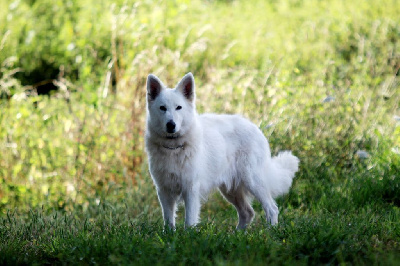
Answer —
320 78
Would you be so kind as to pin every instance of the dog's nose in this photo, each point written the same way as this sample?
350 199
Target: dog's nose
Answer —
171 126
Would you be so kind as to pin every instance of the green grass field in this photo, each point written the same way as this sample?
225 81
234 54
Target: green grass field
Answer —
320 78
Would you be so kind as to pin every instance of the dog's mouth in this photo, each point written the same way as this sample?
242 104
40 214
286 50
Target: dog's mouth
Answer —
172 136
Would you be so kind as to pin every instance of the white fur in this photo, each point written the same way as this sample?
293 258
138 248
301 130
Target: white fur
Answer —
210 151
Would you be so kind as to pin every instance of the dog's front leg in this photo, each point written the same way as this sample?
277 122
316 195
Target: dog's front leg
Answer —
192 207
168 205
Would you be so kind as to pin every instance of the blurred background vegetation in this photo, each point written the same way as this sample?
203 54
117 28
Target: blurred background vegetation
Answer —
319 77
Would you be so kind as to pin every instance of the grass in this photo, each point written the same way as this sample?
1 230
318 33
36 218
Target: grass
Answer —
319 78
367 236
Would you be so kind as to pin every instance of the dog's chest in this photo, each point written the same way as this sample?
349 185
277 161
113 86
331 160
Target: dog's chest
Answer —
170 172
171 182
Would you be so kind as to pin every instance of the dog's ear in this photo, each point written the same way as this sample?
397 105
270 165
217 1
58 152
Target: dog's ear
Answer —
154 87
186 86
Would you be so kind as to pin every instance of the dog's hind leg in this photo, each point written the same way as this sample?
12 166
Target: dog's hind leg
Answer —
261 193
242 204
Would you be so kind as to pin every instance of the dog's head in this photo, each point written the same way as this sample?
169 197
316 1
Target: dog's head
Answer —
170 111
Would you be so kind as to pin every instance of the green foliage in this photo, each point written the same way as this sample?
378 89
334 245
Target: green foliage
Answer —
112 238
321 78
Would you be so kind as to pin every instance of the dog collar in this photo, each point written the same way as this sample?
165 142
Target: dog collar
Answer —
174 148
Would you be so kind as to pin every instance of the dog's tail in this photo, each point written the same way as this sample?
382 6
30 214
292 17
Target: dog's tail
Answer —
284 166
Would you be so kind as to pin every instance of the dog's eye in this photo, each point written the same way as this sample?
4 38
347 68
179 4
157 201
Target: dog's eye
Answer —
163 108
178 107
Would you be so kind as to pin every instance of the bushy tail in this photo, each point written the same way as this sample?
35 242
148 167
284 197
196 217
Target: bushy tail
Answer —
284 166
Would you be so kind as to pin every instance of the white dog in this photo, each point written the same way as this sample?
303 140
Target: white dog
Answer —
191 154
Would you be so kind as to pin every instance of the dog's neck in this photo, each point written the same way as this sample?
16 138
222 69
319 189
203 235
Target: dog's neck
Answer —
174 148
